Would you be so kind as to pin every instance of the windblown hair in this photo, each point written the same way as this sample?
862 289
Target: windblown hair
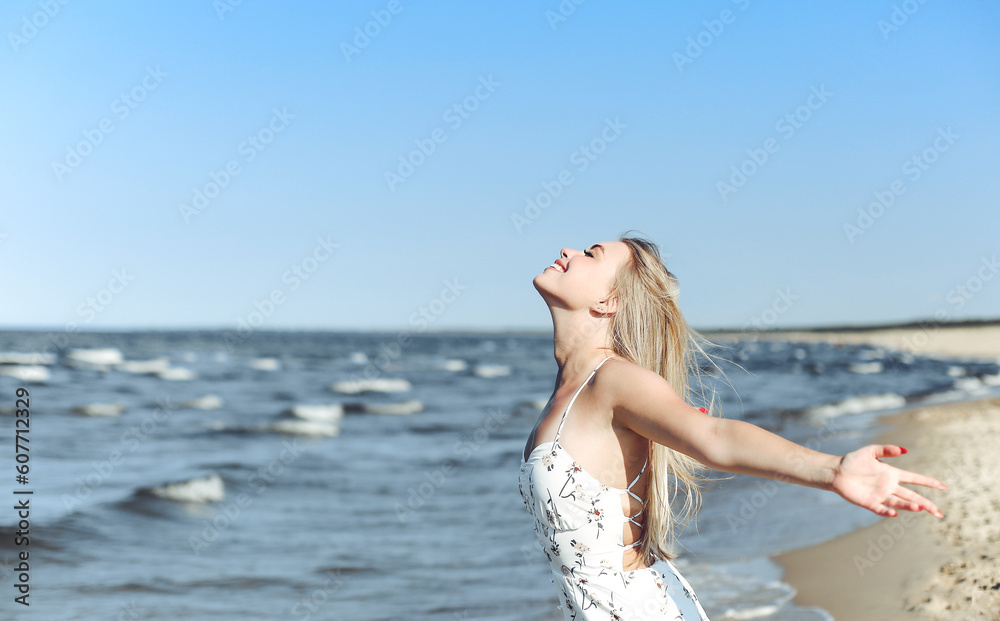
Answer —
649 330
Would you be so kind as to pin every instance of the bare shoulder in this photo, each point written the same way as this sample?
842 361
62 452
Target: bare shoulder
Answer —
644 402
623 381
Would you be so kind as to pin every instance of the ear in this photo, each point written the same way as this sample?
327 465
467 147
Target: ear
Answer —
607 307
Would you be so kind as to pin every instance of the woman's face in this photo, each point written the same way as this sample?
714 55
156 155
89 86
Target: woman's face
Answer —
581 278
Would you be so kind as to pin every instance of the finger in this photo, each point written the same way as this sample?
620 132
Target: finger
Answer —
908 500
903 505
882 509
889 450
905 476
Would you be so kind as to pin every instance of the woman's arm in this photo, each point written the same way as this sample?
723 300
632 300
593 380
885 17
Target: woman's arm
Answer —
646 403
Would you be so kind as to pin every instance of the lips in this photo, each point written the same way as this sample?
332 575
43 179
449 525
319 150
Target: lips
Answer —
557 266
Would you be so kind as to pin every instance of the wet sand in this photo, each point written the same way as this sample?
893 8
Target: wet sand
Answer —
916 566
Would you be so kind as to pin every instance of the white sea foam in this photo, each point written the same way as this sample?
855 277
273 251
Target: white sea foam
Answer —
956 371
865 367
454 365
147 367
355 387
265 364
305 428
749 613
206 402
971 385
99 409
857 405
199 490
491 370
358 357
176 374
319 413
401 408
93 359
30 358
33 373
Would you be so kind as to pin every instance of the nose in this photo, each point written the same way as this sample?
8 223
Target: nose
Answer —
568 252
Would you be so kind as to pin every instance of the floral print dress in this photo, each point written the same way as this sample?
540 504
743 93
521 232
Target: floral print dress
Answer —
579 523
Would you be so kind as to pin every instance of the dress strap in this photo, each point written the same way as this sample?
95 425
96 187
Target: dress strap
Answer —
578 390
642 503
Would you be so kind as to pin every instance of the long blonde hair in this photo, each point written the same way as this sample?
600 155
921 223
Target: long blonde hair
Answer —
649 330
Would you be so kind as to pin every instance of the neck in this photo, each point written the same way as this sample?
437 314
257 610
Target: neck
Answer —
580 342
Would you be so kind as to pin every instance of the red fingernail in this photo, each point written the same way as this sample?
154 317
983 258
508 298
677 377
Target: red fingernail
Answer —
904 450
703 410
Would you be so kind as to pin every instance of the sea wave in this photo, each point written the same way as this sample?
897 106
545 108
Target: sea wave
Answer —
857 405
194 491
354 387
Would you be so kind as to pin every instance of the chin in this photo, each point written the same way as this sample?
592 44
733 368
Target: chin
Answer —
543 289
539 283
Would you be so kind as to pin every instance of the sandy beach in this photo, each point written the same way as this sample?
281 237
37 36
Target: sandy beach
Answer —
915 566
932 339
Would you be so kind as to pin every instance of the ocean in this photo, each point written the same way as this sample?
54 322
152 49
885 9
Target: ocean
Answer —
374 476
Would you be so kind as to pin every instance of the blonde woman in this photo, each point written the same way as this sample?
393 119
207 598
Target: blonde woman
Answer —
618 444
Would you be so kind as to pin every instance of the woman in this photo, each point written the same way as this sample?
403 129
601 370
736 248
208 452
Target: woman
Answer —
600 483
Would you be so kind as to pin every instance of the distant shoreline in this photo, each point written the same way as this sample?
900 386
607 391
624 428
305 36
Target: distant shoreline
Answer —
547 332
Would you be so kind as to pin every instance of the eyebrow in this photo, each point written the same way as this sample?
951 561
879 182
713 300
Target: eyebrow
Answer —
596 246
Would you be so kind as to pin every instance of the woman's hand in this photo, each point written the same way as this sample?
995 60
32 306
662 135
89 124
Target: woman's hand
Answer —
867 482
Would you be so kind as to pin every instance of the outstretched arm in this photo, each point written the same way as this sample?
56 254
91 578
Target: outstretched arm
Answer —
647 404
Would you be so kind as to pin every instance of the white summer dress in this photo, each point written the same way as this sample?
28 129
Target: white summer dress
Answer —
579 523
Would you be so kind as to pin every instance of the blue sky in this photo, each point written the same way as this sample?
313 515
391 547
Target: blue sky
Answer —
191 164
